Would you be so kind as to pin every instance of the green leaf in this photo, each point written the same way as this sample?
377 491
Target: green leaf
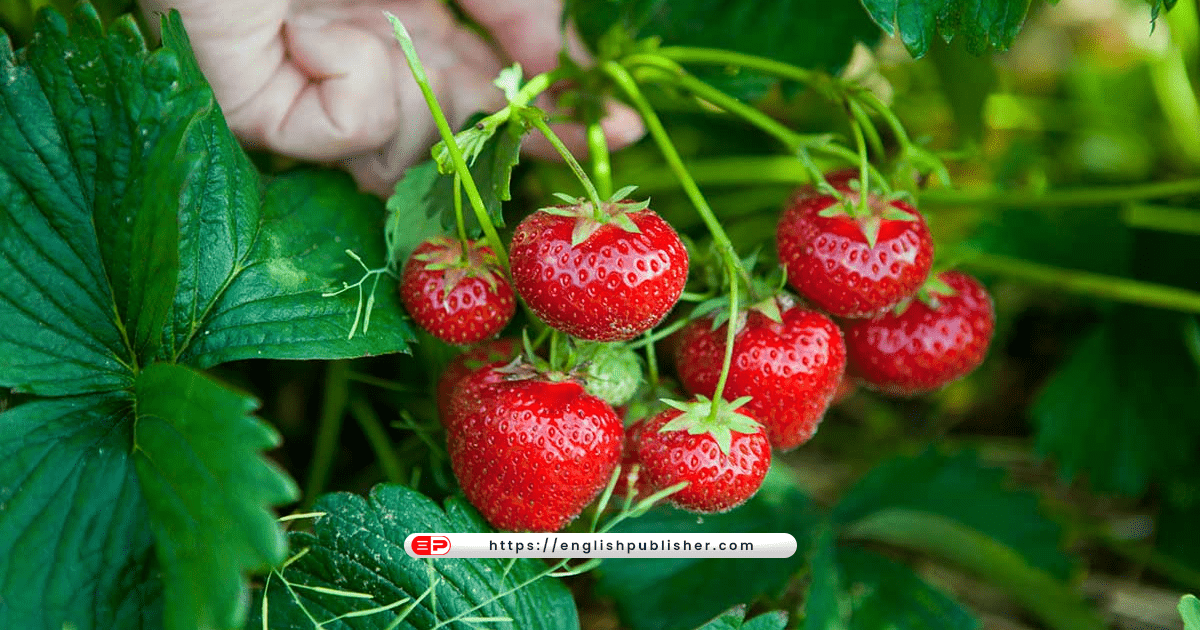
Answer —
966 81
967 548
882 593
1189 610
806 33
681 593
99 136
272 304
410 218
823 608
935 483
208 493
982 23
1157 6
491 170
735 619
1122 410
74 547
358 546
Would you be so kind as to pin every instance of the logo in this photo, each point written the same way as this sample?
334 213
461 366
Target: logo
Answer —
430 545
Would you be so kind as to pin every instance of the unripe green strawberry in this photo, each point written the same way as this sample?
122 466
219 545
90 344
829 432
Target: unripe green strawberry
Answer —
614 373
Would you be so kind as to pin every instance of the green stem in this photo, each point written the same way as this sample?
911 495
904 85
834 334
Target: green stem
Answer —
651 360
730 335
458 217
333 407
626 83
1087 283
1062 198
443 127
793 141
1177 97
377 437
864 209
870 99
735 171
601 159
539 122
718 57
1162 218
864 120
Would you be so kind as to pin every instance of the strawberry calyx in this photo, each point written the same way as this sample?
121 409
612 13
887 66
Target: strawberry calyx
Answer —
870 215
928 294
589 218
699 417
459 263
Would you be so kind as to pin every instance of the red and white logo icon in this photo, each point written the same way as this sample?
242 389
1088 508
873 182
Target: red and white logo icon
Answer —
430 545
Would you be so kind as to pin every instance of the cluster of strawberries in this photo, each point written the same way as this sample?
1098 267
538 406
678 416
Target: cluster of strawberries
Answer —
531 447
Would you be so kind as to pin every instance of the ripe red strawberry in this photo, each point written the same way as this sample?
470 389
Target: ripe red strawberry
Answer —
790 367
605 276
849 264
535 453
458 299
722 459
940 337
489 354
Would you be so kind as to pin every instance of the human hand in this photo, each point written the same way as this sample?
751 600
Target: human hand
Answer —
324 80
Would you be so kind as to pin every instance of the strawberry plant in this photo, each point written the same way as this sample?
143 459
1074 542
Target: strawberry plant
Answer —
928 306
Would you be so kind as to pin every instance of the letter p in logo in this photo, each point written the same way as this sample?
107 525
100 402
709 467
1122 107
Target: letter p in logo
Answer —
426 545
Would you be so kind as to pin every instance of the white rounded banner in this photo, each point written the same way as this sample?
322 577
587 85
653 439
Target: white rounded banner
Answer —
570 545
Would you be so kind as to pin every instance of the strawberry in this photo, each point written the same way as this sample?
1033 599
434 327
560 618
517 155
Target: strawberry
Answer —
723 459
489 354
460 298
789 359
848 262
604 275
535 452
939 337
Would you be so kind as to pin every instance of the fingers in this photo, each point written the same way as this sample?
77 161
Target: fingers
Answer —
237 44
336 96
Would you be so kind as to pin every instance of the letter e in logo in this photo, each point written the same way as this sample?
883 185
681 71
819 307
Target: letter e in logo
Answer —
431 545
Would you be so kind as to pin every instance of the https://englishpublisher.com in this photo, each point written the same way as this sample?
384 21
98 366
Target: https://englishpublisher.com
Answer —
609 545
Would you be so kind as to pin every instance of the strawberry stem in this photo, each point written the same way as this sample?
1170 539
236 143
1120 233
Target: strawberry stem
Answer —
863 209
798 143
868 127
730 334
601 160
1087 283
629 86
718 57
651 360
539 122
458 218
443 127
